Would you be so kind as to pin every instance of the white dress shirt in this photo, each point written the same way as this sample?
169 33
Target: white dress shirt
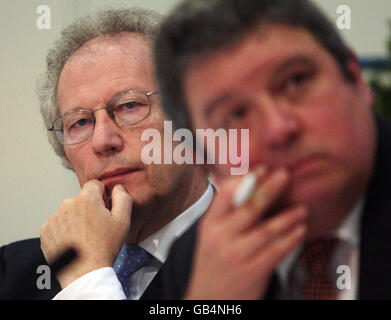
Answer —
291 273
104 284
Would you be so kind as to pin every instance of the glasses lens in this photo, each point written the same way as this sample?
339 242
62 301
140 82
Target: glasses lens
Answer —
131 108
77 126
128 109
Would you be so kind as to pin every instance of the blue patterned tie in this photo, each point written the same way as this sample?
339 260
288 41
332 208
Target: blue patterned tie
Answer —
131 258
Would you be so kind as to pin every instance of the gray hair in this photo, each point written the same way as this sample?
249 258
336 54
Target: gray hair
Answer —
101 23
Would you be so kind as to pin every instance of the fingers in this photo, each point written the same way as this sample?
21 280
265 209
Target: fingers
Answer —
266 195
246 187
94 190
271 188
274 252
224 203
235 232
85 225
121 204
95 187
273 229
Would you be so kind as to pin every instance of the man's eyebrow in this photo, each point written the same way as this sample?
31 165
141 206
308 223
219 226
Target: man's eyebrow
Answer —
219 100
291 62
77 108
118 95
286 64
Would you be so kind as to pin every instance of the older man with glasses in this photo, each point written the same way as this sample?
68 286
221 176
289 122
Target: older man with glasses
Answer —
126 109
97 97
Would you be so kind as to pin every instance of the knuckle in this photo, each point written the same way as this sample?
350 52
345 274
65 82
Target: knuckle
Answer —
66 203
90 194
228 186
84 193
95 182
84 200
92 186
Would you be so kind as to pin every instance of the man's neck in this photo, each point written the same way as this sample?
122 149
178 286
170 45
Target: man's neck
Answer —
147 221
328 219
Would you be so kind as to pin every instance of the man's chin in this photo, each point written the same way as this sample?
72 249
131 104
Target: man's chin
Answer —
312 191
143 200
141 197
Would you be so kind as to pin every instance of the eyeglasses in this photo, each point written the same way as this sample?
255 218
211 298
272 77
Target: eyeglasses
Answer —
126 109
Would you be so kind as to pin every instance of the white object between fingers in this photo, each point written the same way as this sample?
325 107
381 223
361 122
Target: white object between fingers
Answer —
244 189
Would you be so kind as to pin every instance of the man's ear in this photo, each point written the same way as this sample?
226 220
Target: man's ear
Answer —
355 69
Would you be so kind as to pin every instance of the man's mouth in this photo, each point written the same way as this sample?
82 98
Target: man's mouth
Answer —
305 164
116 175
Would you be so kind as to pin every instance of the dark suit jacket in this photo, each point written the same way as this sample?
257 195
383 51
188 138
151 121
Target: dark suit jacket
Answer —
19 262
375 231
19 273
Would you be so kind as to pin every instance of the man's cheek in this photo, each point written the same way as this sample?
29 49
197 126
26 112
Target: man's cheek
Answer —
83 174
256 153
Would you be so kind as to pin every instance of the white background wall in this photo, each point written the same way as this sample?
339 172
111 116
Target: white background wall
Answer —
32 181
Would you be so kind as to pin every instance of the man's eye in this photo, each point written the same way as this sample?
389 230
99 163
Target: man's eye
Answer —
297 79
238 112
131 105
234 116
81 123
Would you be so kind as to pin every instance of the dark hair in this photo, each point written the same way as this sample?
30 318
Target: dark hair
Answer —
196 28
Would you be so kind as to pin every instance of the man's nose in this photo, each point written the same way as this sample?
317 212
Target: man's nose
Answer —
281 126
107 136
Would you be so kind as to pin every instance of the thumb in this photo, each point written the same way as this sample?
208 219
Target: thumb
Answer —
122 203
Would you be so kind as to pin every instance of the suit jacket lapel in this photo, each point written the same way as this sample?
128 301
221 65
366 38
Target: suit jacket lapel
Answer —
375 247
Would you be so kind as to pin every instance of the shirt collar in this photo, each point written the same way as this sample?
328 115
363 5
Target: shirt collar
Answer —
158 244
350 228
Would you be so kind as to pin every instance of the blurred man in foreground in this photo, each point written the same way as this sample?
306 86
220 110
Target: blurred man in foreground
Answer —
317 225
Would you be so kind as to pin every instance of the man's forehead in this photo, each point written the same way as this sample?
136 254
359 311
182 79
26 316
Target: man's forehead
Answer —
260 52
106 44
266 42
103 68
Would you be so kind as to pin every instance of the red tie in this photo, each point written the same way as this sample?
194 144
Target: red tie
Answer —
316 257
